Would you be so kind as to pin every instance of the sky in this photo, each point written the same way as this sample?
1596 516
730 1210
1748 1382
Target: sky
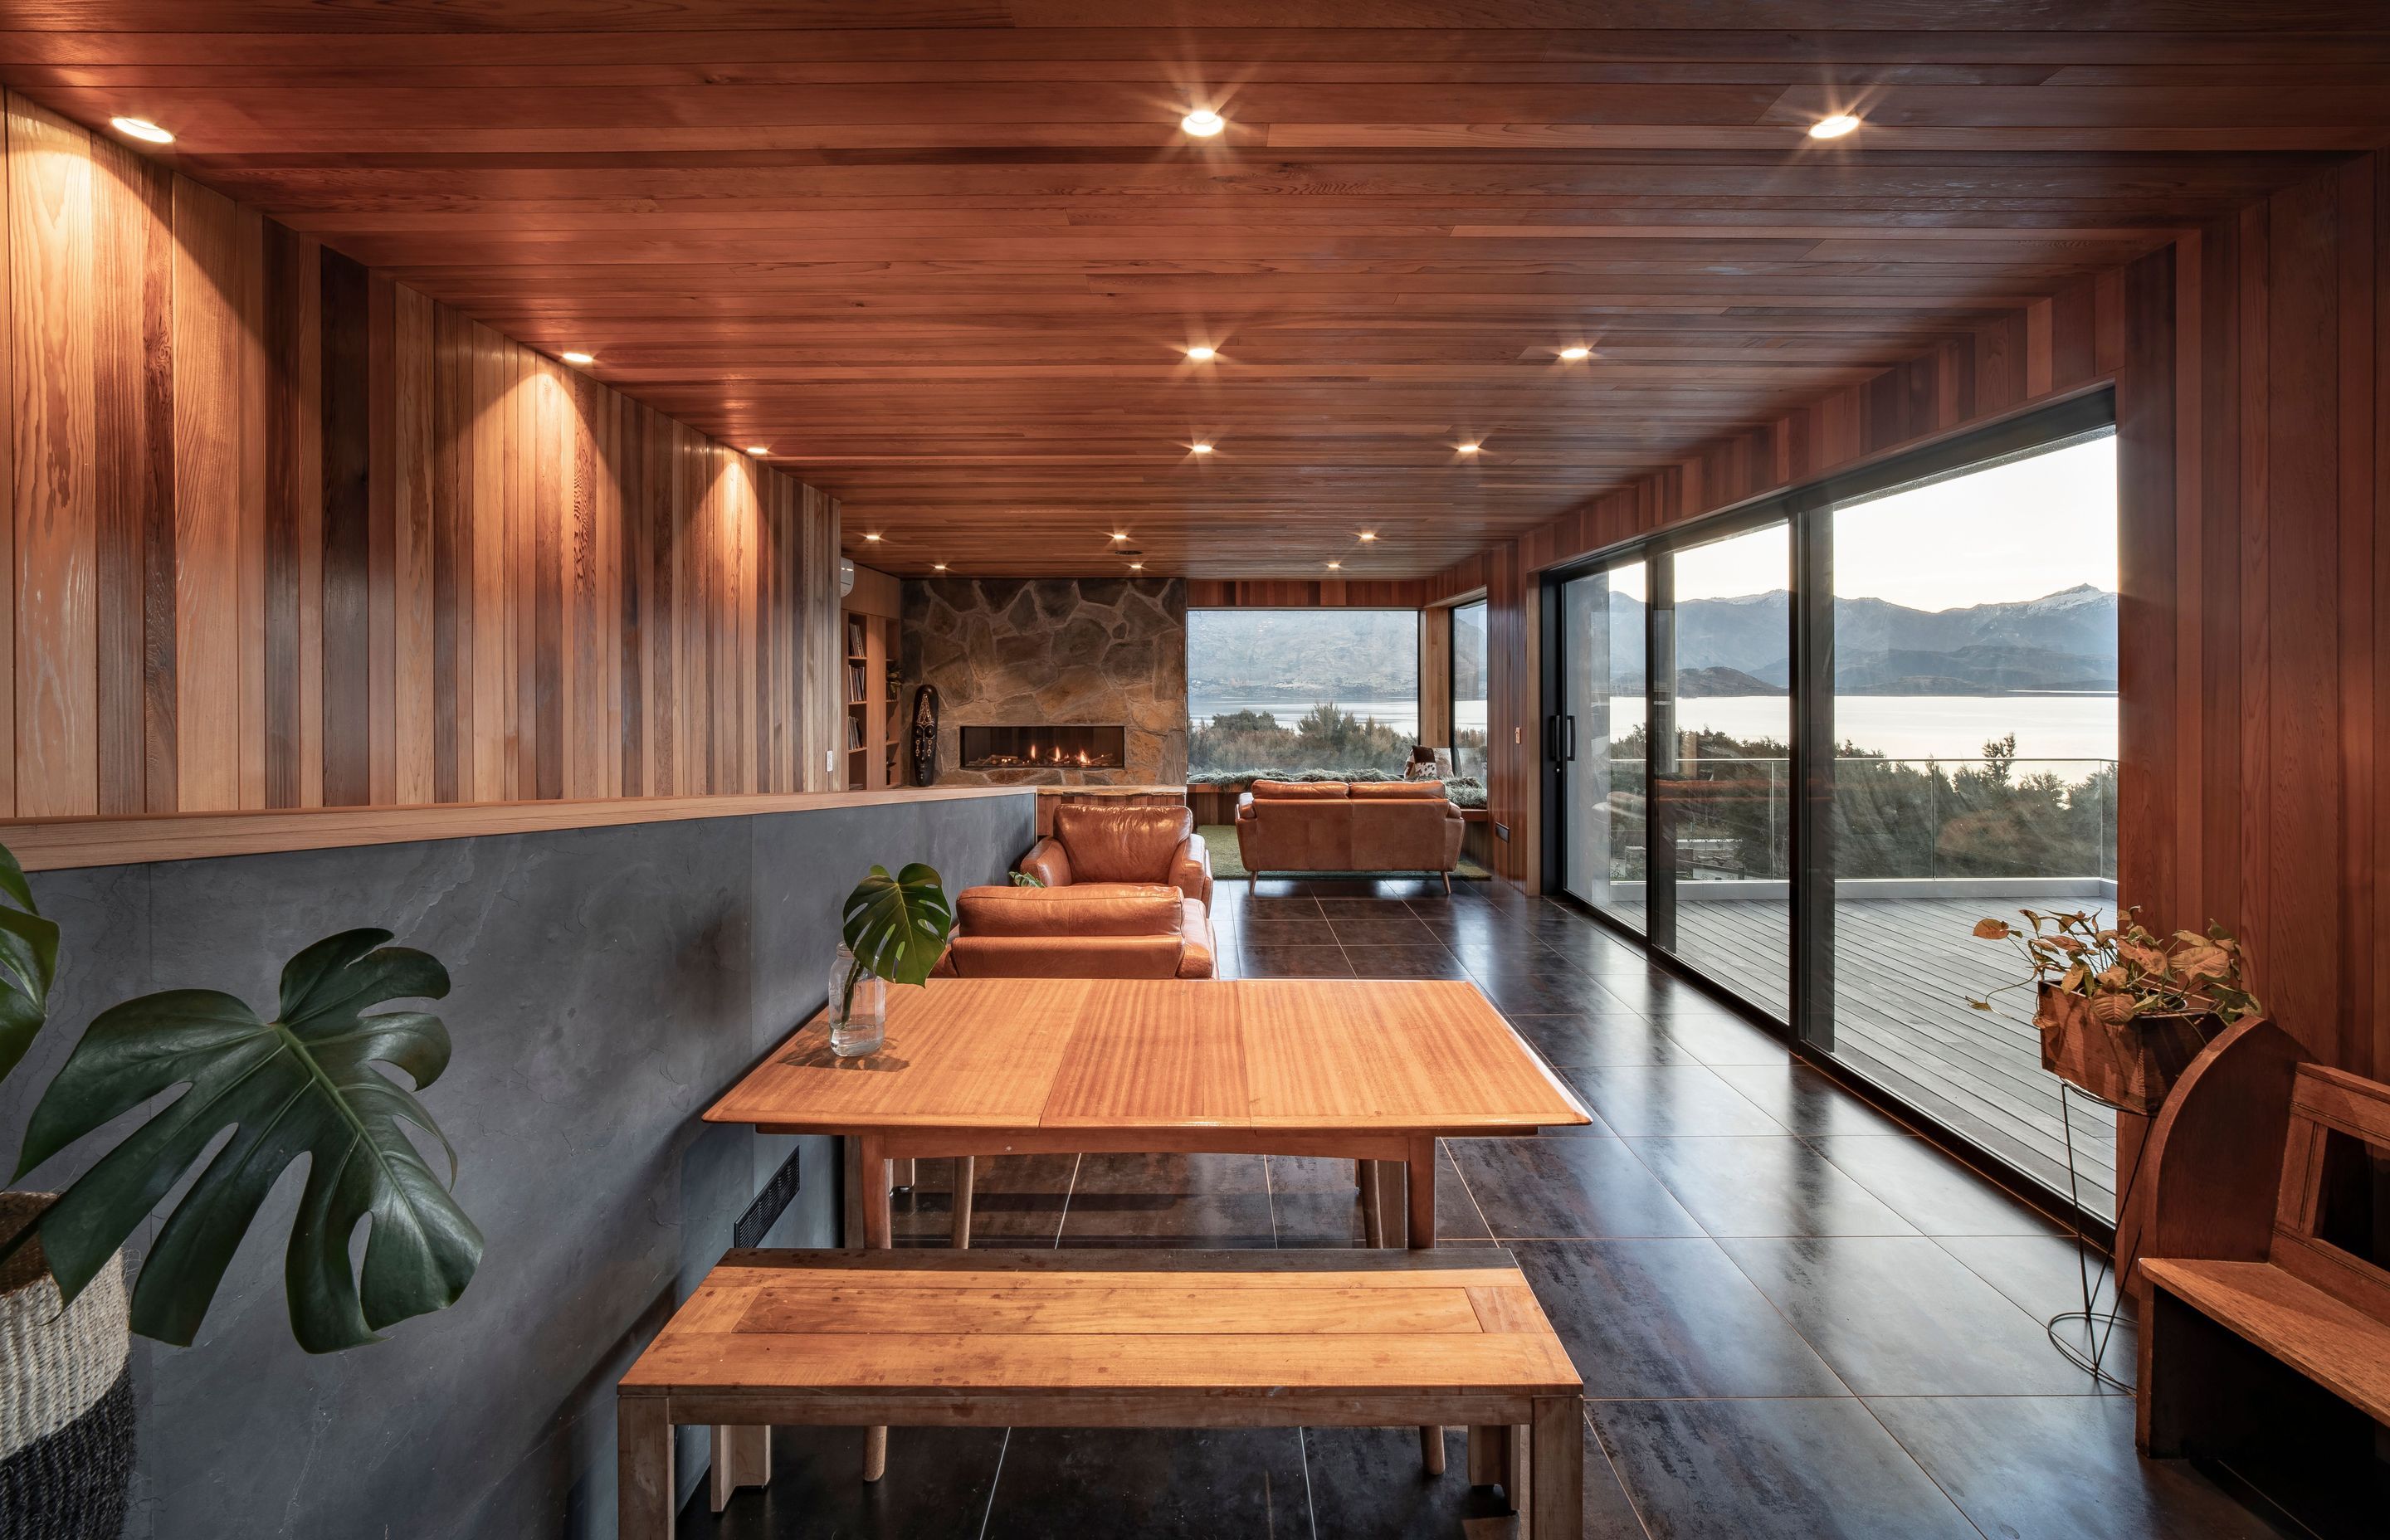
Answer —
2016 532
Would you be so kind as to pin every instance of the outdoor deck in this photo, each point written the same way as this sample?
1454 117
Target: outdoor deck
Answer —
1903 968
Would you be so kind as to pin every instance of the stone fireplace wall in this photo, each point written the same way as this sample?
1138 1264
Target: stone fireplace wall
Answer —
1075 651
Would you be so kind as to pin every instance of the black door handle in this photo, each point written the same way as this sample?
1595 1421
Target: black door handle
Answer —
1571 739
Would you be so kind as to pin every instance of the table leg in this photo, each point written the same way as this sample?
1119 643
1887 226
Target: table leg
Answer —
1489 1456
1421 1181
1393 1209
964 1177
1518 1476
1372 1215
1407 1189
643 1467
1556 1477
878 1235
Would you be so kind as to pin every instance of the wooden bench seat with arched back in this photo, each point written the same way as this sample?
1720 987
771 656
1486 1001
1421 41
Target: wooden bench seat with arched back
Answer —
2262 1333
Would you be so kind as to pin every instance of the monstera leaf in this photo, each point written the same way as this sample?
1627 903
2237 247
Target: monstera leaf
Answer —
896 926
29 959
303 1084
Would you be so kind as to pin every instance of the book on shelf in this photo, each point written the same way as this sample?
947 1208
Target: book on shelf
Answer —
854 636
855 732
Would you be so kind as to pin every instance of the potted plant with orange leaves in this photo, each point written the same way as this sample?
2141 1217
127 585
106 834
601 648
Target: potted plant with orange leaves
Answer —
2122 1011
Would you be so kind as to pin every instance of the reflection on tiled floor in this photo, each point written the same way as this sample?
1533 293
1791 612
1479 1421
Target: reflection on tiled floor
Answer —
1793 1318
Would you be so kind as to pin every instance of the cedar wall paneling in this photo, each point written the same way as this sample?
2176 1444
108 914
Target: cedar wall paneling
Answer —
2252 367
284 533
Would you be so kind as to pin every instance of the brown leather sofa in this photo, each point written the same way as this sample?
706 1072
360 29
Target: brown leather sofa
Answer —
1289 826
1081 930
1094 843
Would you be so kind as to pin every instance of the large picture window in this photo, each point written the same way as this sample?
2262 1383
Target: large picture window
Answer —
1801 747
1290 691
1468 693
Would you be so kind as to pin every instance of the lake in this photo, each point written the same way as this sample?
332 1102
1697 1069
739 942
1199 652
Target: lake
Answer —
1905 726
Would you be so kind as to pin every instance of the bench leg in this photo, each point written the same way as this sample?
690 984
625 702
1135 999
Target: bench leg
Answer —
1518 1476
742 1456
1556 1472
965 1174
643 1467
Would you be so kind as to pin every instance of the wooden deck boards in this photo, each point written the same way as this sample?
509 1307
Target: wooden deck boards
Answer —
1903 970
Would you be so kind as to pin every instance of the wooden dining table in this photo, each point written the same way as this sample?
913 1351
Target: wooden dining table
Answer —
1373 1071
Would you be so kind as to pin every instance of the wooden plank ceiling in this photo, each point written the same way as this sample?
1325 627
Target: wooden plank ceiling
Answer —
944 259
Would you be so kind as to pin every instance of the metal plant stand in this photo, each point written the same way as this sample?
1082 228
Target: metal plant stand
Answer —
2099 1325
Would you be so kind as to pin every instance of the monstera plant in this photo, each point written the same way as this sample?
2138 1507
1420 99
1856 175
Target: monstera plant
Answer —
305 1083
29 959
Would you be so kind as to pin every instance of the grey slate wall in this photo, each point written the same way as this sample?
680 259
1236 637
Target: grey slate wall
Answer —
607 985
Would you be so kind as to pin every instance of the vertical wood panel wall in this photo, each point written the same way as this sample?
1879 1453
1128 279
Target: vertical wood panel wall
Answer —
2251 368
284 533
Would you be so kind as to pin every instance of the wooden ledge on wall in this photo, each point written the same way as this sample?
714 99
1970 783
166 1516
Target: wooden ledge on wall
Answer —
53 844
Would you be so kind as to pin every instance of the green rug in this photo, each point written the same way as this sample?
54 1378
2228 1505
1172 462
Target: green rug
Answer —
1228 865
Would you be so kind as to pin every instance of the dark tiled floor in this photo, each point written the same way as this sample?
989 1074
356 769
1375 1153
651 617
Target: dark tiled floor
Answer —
1794 1319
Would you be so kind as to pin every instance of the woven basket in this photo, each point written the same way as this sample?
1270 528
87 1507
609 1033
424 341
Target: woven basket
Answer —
2131 1064
66 1395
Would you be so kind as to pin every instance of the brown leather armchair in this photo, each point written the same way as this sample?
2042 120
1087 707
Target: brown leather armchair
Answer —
1090 931
1093 843
1364 826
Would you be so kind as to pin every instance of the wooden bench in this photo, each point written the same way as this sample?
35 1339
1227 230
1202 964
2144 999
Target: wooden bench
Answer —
1116 1340
2259 1334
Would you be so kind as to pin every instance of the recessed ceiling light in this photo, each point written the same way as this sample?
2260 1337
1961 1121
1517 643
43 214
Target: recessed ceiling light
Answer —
1119 534
1200 353
1368 535
1466 448
759 449
1202 122
937 566
143 129
578 359
1335 566
1833 127
1137 566
1572 354
1200 448
872 538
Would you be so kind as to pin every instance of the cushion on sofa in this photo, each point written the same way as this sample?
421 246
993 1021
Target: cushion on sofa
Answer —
1106 909
1399 792
1299 791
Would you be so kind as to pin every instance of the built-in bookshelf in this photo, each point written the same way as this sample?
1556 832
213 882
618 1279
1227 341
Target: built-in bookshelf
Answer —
872 638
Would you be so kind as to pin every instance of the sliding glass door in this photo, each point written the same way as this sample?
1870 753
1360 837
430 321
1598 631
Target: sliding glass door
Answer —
1598 737
1804 782
1975 709
1721 761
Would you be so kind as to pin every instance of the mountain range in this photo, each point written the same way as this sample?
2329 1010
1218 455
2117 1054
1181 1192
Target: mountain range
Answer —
2062 641
1304 655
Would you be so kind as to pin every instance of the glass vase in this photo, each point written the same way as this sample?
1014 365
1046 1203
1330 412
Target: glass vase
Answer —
858 1007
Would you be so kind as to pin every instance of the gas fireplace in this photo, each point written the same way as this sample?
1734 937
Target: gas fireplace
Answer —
1045 746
